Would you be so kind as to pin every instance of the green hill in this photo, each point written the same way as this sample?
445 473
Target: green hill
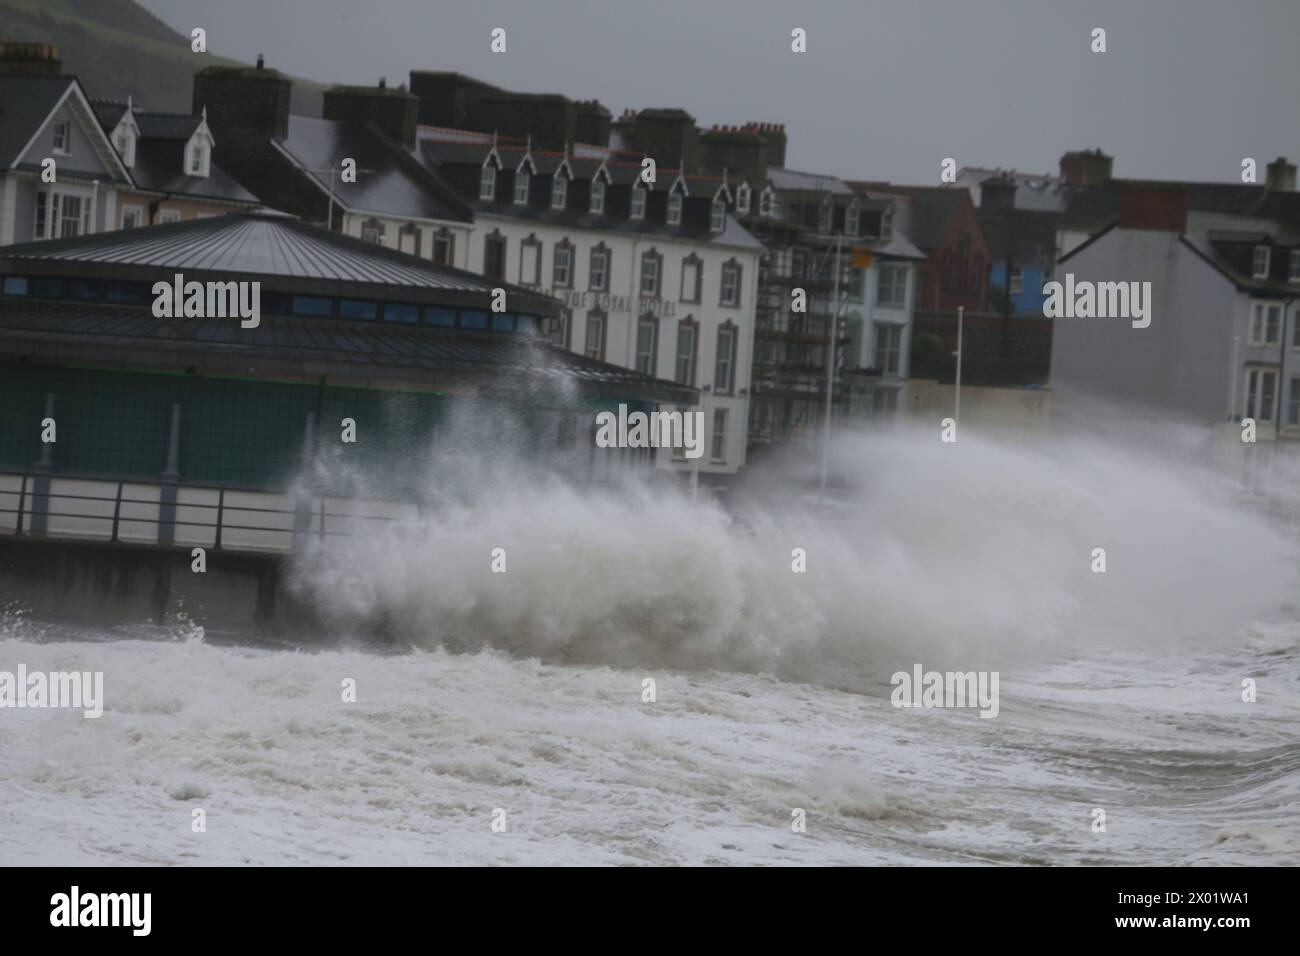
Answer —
116 48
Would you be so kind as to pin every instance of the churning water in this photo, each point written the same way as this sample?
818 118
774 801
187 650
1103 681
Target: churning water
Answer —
522 690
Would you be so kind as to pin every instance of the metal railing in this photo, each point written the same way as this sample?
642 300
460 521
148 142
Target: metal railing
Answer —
308 518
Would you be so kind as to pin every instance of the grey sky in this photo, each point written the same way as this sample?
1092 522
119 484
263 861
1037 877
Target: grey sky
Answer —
886 90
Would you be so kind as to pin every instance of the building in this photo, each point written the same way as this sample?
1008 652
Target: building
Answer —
1022 244
303 162
943 223
658 276
46 118
132 443
169 156
1223 336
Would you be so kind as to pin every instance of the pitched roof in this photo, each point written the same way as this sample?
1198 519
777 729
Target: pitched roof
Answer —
791 179
160 167
932 207
1027 236
25 102
388 182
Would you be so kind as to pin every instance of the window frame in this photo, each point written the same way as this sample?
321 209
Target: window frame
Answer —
1256 272
64 126
688 322
731 265
566 247
560 189
651 255
718 215
695 295
1259 318
487 181
637 204
607 261
732 332
647 319
893 347
597 180
531 242
673 214
496 240
602 324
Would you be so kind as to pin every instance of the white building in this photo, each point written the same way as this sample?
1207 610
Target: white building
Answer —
657 277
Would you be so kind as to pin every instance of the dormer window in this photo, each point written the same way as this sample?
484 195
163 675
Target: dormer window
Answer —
1260 262
718 216
742 200
62 137
765 203
597 195
487 183
522 180
559 190
887 224
638 202
851 219
675 209
196 159
824 217
124 143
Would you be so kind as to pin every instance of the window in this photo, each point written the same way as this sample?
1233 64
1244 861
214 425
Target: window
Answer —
356 309
742 200
887 224
312 305
725 361
487 182
433 315
1293 271
595 345
650 262
765 203
444 247
674 208
196 159
124 143
408 238
718 451
401 312
42 213
1266 323
892 289
638 202
598 195
888 338
598 269
731 283
372 230
522 180
559 190
1260 262
824 217
530 261
852 219
62 137
562 266
131 216
692 279
494 256
1261 387
647 344
685 369
1293 403
70 216
718 216
1017 281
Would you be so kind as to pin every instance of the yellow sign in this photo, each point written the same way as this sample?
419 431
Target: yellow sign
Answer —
860 257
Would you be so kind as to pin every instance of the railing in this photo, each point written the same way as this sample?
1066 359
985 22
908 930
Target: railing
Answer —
176 515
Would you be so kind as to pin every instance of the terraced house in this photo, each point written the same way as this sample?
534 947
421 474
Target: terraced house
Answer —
655 276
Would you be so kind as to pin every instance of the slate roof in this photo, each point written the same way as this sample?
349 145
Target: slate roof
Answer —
160 167
793 180
390 181
932 207
1226 243
25 102
1040 192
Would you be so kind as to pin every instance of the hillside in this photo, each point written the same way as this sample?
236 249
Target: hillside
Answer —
116 48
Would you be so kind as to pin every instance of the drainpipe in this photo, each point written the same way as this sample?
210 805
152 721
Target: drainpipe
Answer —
94 206
1281 370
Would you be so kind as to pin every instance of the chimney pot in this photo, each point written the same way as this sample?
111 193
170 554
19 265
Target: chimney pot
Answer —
261 61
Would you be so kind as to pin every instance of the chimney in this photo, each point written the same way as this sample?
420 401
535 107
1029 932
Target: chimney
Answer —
773 137
1159 208
998 194
1281 176
261 61
30 59
394 112
243 101
740 150
1086 168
